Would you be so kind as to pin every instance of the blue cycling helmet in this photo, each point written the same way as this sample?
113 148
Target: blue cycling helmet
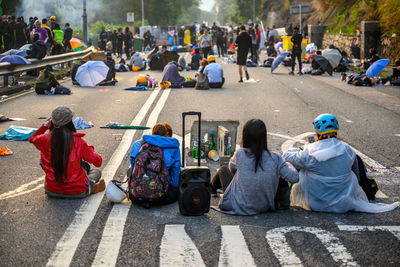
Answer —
326 123
174 48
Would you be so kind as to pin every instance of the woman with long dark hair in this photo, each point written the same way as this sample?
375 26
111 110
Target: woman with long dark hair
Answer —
65 158
251 181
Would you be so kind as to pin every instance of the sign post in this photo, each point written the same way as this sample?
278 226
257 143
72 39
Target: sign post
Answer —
300 9
130 17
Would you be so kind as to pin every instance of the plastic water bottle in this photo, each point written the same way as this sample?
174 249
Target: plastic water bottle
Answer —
195 150
211 143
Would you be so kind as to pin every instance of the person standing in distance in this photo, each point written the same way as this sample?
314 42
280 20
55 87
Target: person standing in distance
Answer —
297 38
243 41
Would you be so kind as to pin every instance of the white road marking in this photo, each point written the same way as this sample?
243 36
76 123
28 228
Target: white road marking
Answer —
277 241
111 239
187 140
398 135
67 245
234 251
110 243
277 110
345 119
23 189
395 230
177 248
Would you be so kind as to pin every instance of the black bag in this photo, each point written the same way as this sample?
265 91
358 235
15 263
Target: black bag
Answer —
202 82
367 184
316 72
194 181
189 84
282 197
62 90
268 62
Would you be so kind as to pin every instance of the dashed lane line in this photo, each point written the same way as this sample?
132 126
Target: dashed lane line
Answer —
110 243
234 251
67 245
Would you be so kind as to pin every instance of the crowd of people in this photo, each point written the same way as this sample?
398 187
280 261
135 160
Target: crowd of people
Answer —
45 35
325 174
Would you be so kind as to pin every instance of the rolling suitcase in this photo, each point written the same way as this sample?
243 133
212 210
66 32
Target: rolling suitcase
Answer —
194 181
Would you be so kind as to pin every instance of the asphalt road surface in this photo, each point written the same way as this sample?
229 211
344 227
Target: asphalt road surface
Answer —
37 230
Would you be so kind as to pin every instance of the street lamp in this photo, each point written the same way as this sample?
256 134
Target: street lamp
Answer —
254 11
84 22
142 14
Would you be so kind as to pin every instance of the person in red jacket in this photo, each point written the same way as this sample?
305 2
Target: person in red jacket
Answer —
65 158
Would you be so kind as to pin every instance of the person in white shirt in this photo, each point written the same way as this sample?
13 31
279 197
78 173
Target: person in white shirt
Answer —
214 72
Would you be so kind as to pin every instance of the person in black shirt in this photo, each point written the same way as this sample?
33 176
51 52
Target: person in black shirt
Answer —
373 56
19 32
103 39
297 38
67 37
243 41
147 39
128 40
119 38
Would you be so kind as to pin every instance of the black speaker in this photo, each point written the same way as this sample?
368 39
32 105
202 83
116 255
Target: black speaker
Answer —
194 182
194 191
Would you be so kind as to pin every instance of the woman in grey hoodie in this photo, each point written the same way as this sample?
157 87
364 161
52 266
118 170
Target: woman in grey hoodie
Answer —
251 181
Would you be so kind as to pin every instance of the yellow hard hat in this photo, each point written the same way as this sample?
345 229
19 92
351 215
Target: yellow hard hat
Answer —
53 18
211 58
165 84
135 68
142 79
372 81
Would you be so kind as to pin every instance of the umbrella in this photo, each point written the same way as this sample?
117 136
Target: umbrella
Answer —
91 73
278 60
21 53
278 45
77 45
333 56
14 59
376 67
323 63
311 48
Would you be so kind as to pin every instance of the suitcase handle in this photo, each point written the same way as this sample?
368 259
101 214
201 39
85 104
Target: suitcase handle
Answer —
184 114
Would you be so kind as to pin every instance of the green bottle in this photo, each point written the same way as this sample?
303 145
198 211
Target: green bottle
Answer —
195 150
211 143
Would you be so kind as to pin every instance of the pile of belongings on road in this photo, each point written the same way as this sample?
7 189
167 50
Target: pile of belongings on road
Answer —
360 79
143 83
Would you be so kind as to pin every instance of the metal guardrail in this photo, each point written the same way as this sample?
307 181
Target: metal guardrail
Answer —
8 69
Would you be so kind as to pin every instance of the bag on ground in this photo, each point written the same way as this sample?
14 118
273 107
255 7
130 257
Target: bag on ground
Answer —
149 179
202 82
62 90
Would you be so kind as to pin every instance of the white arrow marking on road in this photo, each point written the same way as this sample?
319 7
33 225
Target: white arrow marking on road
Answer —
177 249
277 241
108 250
234 251
395 230
23 189
67 245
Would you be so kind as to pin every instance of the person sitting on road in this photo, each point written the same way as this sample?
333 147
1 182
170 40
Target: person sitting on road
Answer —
46 81
162 137
327 182
251 181
172 75
65 158
396 70
37 49
137 61
214 72
373 56
195 65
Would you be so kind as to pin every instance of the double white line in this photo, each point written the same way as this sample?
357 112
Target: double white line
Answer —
108 249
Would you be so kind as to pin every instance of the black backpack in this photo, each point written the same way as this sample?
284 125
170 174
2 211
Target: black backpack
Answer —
367 184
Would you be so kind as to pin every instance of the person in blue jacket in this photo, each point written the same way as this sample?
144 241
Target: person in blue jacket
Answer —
162 137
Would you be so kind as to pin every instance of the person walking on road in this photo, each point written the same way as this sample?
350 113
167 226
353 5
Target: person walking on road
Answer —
65 158
243 41
297 38
205 43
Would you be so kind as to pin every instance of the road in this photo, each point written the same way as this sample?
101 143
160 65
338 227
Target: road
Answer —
37 231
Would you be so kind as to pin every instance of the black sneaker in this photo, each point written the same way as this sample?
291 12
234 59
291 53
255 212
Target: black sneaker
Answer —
247 76
291 73
241 80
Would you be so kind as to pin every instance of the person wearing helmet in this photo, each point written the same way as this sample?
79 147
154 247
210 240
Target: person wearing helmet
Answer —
52 22
214 72
327 182
65 158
